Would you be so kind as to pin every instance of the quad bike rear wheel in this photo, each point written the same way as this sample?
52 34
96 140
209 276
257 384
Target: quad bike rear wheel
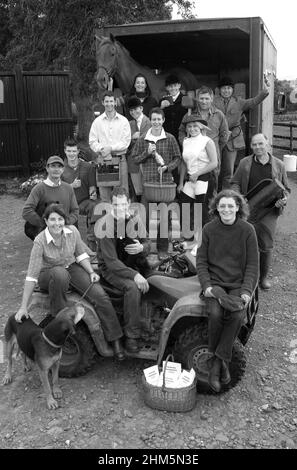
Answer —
191 350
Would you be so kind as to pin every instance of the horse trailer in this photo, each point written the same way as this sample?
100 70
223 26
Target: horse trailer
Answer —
209 48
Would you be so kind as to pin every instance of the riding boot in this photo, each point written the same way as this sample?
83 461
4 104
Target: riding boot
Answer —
225 374
214 374
265 262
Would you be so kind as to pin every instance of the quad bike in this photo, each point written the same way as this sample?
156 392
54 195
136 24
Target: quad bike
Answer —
174 321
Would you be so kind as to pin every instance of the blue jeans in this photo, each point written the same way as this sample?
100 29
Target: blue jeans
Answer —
223 327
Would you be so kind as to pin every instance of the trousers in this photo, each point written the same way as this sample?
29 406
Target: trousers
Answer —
223 327
133 322
57 280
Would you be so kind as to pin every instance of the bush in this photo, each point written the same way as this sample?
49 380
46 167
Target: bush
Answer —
27 185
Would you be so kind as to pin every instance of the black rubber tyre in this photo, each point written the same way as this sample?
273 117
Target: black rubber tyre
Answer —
79 353
191 350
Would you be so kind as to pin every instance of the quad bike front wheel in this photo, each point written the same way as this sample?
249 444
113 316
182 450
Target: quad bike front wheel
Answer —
78 354
191 350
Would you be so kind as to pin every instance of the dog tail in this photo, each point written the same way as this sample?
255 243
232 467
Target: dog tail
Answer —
10 328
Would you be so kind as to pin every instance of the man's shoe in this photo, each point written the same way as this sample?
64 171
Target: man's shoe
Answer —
118 350
214 375
225 374
131 345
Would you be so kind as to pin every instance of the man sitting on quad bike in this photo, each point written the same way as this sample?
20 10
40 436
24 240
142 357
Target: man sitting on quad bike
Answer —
122 259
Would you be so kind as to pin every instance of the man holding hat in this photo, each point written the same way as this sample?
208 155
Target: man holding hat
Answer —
51 190
139 126
233 107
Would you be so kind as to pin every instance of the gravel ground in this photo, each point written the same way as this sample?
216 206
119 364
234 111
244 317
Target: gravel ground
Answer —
105 410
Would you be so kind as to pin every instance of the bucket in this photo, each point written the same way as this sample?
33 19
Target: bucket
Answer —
290 162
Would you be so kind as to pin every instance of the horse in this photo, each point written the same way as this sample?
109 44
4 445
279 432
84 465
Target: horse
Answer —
114 60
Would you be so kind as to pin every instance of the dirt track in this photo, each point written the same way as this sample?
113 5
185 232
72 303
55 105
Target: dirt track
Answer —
105 410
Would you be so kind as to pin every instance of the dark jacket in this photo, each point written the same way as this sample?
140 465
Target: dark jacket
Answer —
240 180
111 254
233 109
173 116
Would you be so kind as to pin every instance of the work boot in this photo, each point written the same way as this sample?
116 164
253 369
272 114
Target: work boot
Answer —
118 350
214 374
265 262
131 345
225 374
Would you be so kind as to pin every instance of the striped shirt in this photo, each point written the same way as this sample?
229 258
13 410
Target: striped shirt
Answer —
46 254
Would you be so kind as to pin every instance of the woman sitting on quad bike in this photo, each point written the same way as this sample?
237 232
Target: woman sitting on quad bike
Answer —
227 267
58 260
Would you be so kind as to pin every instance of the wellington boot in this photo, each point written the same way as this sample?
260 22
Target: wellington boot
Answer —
225 374
214 375
265 262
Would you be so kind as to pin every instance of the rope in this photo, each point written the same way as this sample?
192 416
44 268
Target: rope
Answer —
85 293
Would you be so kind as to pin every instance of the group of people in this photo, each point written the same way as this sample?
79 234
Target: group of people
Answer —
161 140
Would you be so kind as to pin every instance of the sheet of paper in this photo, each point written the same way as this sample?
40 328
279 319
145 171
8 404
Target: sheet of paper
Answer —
194 189
152 374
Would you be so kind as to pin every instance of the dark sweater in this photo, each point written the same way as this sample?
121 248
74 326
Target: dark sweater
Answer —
111 254
228 256
42 195
86 172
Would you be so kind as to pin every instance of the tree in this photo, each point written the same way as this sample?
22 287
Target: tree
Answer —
59 35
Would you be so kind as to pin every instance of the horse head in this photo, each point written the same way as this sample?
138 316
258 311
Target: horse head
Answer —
106 58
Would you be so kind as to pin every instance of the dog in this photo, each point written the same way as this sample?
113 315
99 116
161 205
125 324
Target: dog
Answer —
43 346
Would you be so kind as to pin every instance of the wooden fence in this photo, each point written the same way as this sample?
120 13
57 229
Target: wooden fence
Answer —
35 117
283 132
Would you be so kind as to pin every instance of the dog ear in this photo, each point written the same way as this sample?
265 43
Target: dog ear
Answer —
80 311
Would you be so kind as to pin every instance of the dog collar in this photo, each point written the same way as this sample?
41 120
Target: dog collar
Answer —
50 342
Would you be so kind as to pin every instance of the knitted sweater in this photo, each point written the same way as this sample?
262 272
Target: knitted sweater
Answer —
42 195
228 256
84 171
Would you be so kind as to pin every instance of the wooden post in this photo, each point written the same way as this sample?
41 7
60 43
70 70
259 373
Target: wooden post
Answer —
291 137
22 118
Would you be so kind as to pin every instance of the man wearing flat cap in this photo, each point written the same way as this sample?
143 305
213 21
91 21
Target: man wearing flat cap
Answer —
233 107
139 126
51 190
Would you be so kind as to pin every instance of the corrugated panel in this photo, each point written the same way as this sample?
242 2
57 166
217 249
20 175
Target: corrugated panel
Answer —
47 96
10 149
8 109
46 139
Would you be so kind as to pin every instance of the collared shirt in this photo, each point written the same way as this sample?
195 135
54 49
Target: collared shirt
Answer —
113 132
46 254
50 183
139 121
154 138
175 97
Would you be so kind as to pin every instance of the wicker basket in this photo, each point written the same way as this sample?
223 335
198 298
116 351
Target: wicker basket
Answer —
159 192
169 399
